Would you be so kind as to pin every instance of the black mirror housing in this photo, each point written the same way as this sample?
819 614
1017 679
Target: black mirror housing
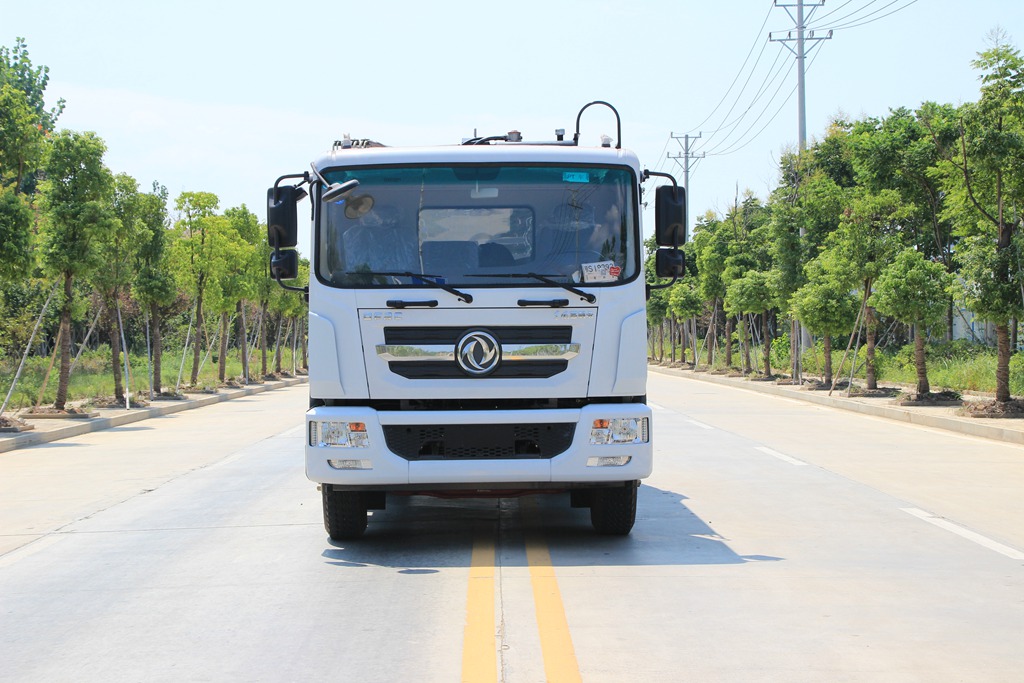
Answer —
669 215
284 265
670 263
282 216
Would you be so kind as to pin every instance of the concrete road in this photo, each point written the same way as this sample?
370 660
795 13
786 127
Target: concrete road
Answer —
776 541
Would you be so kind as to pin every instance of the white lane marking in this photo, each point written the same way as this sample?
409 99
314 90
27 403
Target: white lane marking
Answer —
983 541
781 456
695 423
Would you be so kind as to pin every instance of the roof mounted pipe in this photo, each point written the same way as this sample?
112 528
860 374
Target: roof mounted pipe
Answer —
618 123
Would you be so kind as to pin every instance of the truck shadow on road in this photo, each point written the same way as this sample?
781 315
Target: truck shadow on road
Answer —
420 534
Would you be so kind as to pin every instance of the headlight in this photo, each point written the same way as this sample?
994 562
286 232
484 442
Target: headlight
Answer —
619 430
338 435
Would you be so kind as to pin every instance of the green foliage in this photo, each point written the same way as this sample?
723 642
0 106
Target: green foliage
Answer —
76 203
912 289
750 293
15 235
17 71
990 279
21 136
826 305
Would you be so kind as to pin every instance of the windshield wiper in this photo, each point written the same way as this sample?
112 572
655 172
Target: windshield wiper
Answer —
422 277
546 279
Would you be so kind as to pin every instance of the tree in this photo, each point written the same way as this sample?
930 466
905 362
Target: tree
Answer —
77 213
826 306
985 176
16 70
914 291
194 256
117 252
710 248
869 236
685 303
154 285
753 292
900 153
239 281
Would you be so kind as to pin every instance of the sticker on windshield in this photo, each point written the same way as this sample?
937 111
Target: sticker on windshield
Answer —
575 177
602 271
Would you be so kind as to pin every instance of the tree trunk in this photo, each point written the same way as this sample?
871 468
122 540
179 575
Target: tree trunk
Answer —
115 353
303 344
277 344
243 340
263 337
1003 363
713 333
919 361
871 379
745 342
222 358
65 345
197 350
827 343
728 342
158 346
767 341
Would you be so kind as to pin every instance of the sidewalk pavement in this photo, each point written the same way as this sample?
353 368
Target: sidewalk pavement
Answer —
45 430
1008 430
939 417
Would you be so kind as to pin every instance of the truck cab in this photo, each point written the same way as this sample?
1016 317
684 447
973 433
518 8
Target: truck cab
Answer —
477 323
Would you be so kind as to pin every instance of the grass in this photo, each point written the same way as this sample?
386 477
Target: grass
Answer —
92 377
959 366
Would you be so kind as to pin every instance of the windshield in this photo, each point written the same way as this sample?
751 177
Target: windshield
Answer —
480 225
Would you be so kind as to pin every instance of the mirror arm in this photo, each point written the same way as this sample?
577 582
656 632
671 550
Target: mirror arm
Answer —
648 173
650 286
290 288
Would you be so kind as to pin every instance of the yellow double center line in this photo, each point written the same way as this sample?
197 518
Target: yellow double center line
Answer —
479 654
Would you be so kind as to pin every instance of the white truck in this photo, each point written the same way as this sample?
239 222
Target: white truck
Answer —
477 321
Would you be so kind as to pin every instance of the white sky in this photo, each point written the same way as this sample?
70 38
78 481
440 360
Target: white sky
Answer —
225 96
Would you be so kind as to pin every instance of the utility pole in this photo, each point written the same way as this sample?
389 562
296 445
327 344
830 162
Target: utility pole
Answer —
686 156
801 338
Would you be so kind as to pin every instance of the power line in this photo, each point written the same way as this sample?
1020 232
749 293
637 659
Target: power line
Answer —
738 73
871 21
735 123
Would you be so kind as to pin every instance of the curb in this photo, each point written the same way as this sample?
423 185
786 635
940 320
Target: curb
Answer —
917 416
33 437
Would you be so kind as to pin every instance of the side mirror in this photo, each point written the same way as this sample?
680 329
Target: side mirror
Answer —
669 215
669 263
284 265
282 216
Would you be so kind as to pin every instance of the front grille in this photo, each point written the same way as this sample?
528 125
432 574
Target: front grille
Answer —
537 369
561 334
415 348
479 442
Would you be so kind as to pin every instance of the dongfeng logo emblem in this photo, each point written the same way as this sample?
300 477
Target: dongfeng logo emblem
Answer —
478 353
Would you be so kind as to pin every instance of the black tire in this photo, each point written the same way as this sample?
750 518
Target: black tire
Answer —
344 514
613 509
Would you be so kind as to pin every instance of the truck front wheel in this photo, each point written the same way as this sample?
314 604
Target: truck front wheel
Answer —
613 510
344 513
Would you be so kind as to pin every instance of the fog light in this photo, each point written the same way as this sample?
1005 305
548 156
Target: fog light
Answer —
609 461
350 464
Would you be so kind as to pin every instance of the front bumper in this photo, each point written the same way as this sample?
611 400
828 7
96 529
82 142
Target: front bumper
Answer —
377 466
